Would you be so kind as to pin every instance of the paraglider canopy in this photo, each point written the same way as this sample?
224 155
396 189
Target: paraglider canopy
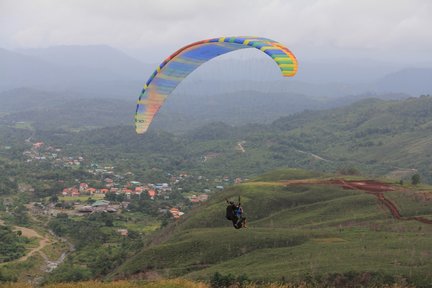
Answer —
185 60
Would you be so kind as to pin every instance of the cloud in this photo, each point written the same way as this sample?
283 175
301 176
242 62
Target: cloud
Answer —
365 27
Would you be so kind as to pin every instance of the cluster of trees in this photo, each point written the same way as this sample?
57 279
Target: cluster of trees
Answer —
69 273
83 232
8 182
415 179
8 185
20 215
12 244
99 247
219 280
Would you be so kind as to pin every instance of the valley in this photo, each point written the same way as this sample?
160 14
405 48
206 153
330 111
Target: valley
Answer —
350 206
215 144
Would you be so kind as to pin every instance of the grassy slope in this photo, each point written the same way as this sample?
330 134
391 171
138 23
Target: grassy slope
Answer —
293 231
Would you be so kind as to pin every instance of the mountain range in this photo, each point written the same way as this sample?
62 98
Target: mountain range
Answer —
102 71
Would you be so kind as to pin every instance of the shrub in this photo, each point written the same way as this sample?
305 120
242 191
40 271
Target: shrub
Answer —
221 281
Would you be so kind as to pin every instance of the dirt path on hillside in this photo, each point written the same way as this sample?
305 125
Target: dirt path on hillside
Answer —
43 242
369 186
316 157
50 262
26 232
241 147
30 233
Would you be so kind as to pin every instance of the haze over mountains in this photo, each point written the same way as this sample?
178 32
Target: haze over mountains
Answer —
74 66
45 78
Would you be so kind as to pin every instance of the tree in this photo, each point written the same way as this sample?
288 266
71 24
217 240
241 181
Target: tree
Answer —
69 273
20 213
54 198
415 179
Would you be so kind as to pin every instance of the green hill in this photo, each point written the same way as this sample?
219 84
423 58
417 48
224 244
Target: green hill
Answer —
295 232
378 136
375 137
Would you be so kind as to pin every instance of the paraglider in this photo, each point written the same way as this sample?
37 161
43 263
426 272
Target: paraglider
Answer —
234 213
184 61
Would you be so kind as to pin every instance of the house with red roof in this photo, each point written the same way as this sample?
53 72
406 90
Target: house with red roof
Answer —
65 192
175 212
203 197
139 190
151 193
74 192
123 232
83 187
38 145
91 190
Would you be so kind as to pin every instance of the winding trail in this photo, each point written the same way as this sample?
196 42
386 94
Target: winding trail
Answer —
44 241
370 187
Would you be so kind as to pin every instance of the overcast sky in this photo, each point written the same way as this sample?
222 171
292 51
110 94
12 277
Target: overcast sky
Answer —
391 30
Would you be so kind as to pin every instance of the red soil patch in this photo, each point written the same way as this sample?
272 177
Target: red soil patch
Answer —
365 185
372 187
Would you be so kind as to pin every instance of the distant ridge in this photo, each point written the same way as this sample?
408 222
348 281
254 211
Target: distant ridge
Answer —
416 81
106 70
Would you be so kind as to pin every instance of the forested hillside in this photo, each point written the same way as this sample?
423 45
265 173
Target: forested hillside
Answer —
375 137
183 112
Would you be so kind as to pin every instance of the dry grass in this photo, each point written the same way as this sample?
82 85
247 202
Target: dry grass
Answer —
175 283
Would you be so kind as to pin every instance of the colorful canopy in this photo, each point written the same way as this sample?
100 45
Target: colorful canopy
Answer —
185 60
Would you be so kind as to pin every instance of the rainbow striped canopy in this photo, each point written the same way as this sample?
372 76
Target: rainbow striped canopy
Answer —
185 60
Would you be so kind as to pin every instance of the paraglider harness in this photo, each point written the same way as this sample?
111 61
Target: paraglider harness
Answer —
234 213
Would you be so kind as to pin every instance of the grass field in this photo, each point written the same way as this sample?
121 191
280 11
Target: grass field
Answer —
293 231
23 125
412 202
138 222
82 198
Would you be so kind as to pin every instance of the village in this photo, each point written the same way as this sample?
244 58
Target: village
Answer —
112 192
